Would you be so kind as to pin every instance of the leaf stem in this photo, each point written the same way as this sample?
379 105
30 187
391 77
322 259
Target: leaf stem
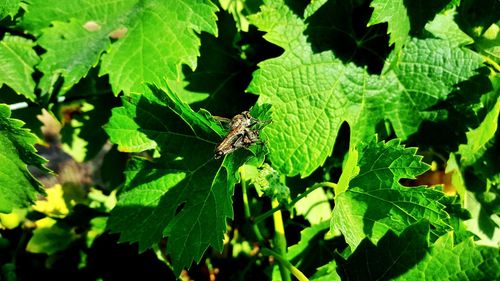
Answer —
492 63
280 241
295 271
269 213
248 214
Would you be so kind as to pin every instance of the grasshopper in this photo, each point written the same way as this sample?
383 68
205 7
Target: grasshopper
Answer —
241 134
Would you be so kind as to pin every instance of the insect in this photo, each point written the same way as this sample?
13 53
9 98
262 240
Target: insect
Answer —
242 134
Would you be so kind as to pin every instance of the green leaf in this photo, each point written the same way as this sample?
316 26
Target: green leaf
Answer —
409 257
140 55
82 136
9 8
18 58
464 261
222 74
185 194
144 57
475 16
50 237
482 223
307 114
315 207
327 272
73 48
307 237
480 170
126 133
427 73
396 15
389 258
18 188
267 181
136 135
404 17
239 10
313 7
86 109
349 171
480 138
376 202
444 26
489 43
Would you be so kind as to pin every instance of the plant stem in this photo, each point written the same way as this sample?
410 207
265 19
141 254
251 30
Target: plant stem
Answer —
492 63
295 271
280 240
267 214
248 214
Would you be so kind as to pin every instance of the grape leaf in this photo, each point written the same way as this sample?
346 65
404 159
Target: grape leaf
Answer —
9 8
312 94
72 50
376 202
238 9
483 222
479 160
480 138
18 58
306 115
221 76
409 257
327 272
444 26
489 43
403 17
50 237
314 248
475 16
185 194
391 257
465 261
349 171
18 188
124 131
396 15
86 109
307 236
427 73
315 207
140 55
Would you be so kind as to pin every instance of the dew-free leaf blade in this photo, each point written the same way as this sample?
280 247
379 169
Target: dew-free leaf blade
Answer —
409 256
18 188
426 73
307 236
404 17
312 94
9 8
480 138
464 261
376 202
140 55
159 55
396 15
73 48
185 195
18 59
390 258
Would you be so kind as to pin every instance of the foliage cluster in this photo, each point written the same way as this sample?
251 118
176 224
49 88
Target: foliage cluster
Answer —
380 162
